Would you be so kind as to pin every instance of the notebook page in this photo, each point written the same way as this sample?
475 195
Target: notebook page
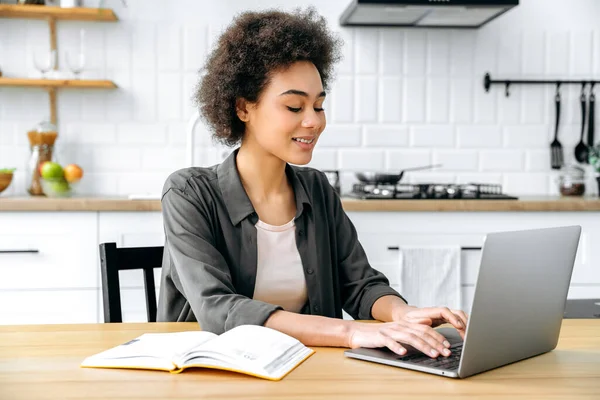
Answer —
169 346
253 348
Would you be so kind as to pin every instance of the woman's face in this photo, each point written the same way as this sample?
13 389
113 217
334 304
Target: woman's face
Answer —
289 117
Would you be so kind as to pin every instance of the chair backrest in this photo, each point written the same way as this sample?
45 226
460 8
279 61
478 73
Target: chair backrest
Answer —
113 260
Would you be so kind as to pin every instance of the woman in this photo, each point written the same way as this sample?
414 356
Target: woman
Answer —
254 240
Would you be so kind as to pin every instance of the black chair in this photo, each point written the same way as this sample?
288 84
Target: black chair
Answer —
113 260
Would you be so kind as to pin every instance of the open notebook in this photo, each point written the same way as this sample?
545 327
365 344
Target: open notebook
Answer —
249 349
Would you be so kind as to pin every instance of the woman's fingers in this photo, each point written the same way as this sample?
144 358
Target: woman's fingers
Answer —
462 315
414 338
464 319
396 335
432 337
392 344
445 314
417 329
435 335
435 316
434 341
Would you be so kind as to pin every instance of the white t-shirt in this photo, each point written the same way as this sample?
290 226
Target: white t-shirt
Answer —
280 277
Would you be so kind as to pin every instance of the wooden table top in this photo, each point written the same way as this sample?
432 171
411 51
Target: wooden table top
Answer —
42 362
542 203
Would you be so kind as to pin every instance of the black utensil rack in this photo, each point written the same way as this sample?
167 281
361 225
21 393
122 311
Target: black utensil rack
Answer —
488 82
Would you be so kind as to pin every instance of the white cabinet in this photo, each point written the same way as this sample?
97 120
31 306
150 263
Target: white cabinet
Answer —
382 235
379 230
64 306
131 229
58 280
48 267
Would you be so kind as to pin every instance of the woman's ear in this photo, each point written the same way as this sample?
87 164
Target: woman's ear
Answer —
241 109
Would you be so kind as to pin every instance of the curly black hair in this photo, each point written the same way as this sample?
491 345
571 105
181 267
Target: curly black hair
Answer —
248 51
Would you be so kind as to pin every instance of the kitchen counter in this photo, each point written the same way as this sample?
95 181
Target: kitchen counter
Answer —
546 203
123 204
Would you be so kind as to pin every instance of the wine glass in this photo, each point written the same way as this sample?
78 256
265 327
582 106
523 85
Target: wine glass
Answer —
75 62
44 62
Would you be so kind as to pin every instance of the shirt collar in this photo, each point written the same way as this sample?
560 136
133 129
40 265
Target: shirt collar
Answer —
235 198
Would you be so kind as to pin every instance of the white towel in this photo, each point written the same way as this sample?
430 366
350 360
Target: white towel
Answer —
430 276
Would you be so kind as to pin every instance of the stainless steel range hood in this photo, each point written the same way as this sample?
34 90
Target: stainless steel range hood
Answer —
424 13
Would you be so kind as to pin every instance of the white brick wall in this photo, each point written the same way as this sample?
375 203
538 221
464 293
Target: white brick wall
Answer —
432 136
358 159
341 136
401 97
390 99
406 158
385 136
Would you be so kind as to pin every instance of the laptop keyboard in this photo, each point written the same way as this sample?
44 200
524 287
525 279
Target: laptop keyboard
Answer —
450 363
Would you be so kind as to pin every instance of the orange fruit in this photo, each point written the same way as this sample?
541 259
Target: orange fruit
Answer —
73 173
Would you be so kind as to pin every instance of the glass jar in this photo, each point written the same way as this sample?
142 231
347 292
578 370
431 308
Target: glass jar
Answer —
571 181
41 145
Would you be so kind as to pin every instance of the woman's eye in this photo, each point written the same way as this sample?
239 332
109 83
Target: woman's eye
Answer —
293 109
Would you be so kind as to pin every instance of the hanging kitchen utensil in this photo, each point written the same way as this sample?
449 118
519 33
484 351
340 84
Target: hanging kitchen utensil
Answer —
591 117
556 150
581 150
384 178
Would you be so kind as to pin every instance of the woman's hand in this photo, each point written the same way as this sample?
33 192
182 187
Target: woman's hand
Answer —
394 334
432 316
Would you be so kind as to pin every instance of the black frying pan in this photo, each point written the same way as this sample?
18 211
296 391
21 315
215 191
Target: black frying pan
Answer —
385 178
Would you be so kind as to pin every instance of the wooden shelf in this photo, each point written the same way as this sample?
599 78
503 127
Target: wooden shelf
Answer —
51 85
51 15
58 13
57 83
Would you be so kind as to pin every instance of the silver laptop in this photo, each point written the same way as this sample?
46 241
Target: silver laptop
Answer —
517 310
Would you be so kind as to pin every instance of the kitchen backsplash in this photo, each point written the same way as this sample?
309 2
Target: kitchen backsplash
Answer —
401 97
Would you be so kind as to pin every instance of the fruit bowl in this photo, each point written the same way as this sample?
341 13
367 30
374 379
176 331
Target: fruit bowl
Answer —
6 176
57 181
58 187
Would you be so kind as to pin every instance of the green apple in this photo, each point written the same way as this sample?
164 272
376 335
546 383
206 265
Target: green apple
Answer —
51 170
59 186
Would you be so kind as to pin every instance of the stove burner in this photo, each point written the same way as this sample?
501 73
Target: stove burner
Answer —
470 191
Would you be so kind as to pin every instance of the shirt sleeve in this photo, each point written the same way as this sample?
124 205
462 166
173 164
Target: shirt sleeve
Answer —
361 285
201 270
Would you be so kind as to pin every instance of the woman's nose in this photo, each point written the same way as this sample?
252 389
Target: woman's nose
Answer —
311 119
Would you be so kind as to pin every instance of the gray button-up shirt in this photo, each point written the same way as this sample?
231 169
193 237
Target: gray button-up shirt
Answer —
210 258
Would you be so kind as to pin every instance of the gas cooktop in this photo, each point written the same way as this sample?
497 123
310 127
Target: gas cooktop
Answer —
418 191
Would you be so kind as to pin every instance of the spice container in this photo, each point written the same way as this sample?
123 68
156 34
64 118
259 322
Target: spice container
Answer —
571 181
41 144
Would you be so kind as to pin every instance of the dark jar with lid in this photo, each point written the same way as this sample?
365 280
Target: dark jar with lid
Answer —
571 181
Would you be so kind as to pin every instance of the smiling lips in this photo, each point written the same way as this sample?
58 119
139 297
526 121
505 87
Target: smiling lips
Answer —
304 140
